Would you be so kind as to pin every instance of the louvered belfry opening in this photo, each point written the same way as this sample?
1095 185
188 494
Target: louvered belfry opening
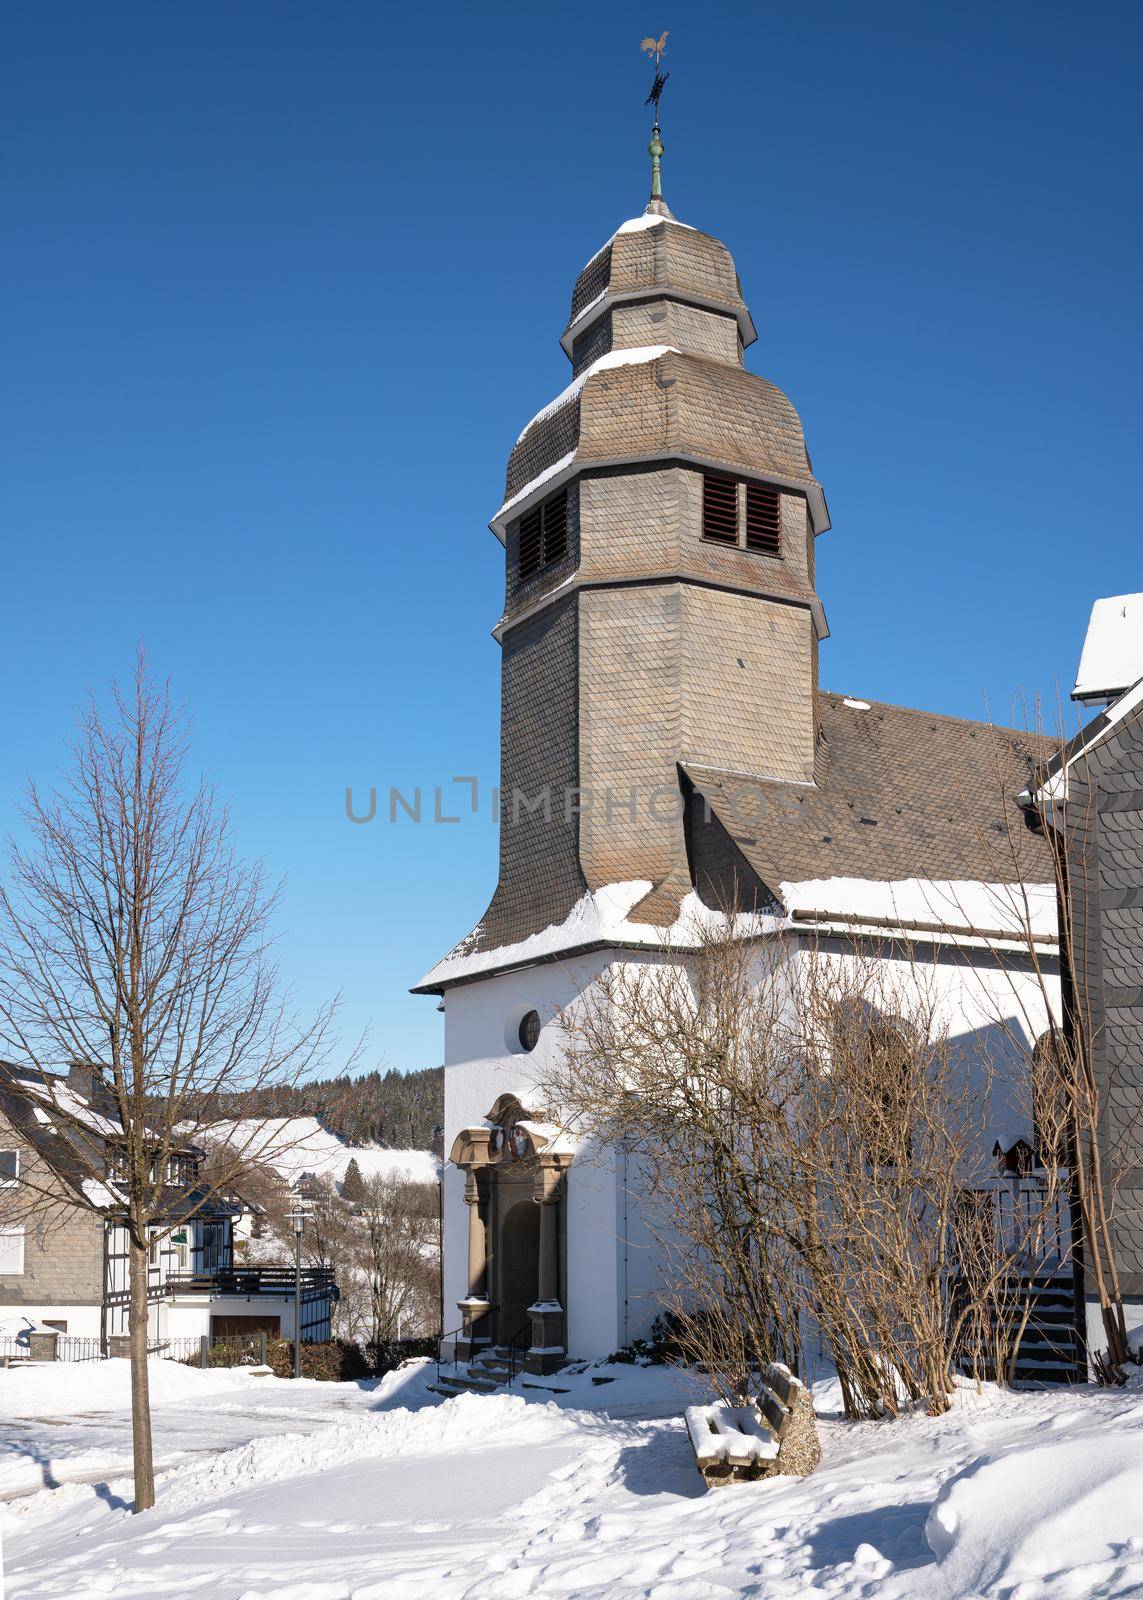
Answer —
531 542
755 514
555 527
719 509
763 519
543 535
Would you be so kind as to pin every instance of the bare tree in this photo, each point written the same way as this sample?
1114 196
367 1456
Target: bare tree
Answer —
397 1254
133 940
804 1133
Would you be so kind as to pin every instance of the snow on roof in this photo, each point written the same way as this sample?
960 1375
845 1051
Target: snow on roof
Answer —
295 1146
649 219
100 1194
534 483
1112 656
959 906
646 219
73 1109
598 918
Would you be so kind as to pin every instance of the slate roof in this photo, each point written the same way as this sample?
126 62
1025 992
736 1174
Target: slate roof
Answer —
900 794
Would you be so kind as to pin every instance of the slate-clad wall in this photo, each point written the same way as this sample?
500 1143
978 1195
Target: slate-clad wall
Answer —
540 876
1106 877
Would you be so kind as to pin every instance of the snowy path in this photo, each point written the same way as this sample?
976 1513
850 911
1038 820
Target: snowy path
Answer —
1027 1497
72 1423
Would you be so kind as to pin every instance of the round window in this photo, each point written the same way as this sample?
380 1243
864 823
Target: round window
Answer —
529 1030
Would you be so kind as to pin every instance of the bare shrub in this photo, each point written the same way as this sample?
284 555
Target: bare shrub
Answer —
805 1133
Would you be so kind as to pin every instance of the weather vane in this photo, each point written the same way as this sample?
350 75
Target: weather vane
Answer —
656 48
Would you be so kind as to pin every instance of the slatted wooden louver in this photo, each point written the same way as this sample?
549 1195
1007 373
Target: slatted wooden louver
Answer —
555 518
719 509
763 519
543 535
531 542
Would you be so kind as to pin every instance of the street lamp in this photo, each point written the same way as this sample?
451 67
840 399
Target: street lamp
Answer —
298 1216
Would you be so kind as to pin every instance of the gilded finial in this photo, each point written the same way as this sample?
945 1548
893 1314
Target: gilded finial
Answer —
656 48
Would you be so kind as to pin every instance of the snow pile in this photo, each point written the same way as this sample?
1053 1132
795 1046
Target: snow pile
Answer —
294 1146
46 1390
1064 1518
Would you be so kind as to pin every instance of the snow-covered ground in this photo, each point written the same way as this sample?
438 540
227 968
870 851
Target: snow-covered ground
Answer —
293 1146
378 1492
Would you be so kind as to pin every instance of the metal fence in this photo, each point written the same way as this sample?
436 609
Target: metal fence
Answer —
217 1350
73 1349
67 1349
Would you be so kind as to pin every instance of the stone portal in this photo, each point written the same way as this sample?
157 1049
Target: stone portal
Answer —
515 1164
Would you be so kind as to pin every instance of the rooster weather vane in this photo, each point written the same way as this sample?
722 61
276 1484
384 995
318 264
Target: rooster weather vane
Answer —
656 48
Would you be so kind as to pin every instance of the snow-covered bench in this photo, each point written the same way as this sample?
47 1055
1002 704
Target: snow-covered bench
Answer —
774 1433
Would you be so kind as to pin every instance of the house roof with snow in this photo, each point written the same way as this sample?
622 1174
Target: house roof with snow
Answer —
75 1135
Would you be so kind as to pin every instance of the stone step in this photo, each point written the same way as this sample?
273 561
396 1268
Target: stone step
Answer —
465 1383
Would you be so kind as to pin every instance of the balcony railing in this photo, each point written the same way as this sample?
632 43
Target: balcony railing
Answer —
1030 1220
317 1282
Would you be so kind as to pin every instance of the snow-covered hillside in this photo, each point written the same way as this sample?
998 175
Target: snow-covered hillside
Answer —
296 1145
581 1495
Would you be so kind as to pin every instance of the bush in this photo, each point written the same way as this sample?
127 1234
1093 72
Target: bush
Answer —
335 1361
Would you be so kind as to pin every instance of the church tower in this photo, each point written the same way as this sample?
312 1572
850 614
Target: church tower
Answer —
664 741
660 614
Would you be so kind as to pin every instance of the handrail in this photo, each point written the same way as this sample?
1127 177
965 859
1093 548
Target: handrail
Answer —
450 1334
512 1368
440 1340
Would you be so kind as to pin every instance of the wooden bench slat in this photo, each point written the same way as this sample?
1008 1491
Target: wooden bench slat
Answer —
752 1441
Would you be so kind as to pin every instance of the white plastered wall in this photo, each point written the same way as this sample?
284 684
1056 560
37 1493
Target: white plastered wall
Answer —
82 1321
994 1009
613 1263
606 1277
189 1318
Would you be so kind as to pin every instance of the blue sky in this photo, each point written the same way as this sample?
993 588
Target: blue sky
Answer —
283 281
